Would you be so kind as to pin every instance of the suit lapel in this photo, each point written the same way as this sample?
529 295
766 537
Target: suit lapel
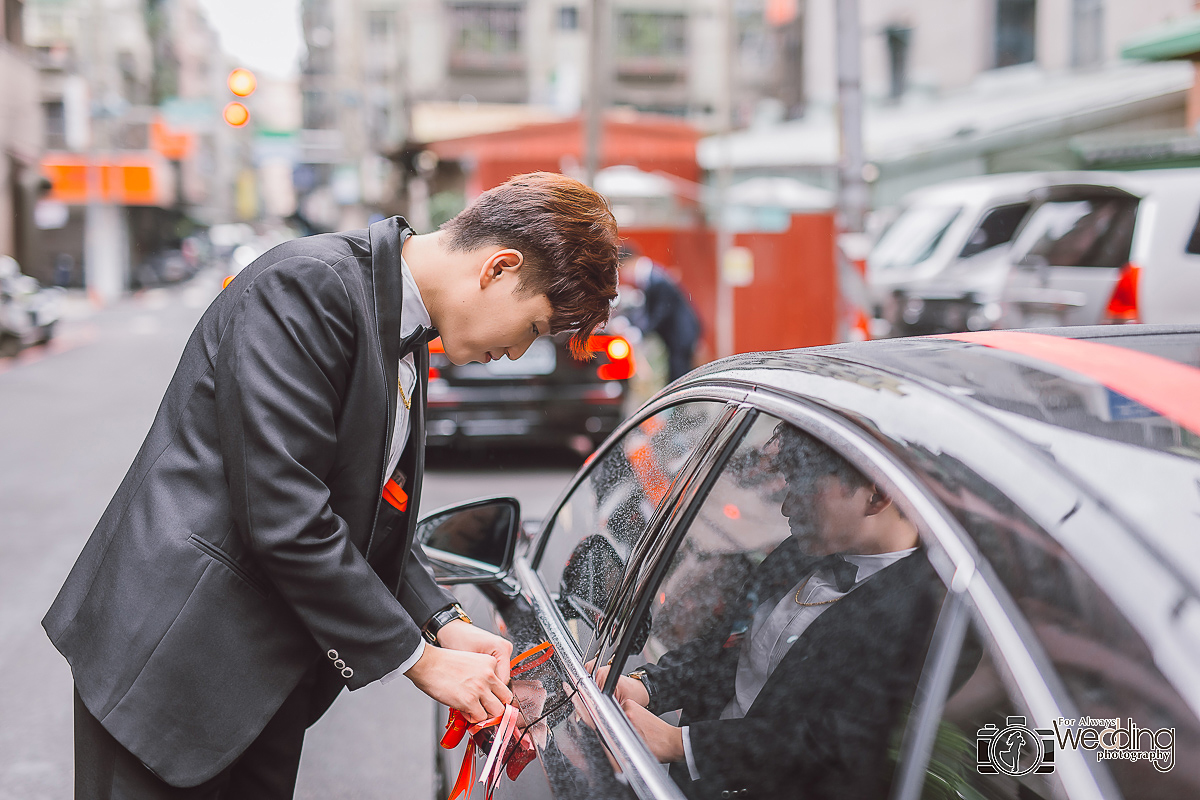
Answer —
387 239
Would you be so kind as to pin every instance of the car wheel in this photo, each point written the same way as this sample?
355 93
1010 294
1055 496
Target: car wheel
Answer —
10 345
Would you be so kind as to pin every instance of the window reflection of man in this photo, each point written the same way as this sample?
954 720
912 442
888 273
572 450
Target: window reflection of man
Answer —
798 693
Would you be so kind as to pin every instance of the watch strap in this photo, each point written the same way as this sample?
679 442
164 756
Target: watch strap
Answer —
441 619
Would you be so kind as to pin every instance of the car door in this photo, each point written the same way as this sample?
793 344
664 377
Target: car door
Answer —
566 580
767 683
1067 697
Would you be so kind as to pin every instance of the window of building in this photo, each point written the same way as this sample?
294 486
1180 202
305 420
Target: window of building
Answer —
379 25
897 45
1016 32
1087 32
486 37
568 18
56 125
12 21
651 45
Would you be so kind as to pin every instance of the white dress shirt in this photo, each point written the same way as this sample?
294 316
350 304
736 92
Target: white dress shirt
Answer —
776 626
412 314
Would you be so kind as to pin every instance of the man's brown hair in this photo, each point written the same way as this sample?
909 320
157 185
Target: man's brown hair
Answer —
567 236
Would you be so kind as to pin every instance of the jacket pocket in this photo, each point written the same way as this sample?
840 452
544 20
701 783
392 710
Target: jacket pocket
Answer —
217 554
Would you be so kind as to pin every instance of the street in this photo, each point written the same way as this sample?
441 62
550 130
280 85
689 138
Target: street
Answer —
72 416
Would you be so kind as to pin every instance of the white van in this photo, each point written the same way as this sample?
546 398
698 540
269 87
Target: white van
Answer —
940 240
1124 247
1089 247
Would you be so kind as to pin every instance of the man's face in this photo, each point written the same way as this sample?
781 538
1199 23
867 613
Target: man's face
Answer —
493 319
826 515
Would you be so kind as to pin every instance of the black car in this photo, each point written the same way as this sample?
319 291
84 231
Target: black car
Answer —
1021 511
545 397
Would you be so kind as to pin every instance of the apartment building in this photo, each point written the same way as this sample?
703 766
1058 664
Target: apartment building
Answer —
371 65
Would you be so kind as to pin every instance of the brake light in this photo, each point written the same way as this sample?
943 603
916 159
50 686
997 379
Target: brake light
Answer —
1123 305
620 364
436 346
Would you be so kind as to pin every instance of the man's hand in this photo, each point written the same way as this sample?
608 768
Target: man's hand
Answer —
664 739
461 635
627 688
463 680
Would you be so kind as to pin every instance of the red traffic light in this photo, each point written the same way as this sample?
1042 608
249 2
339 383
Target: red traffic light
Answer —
242 82
236 114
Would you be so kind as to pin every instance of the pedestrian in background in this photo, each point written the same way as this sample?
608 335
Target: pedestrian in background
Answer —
248 568
665 310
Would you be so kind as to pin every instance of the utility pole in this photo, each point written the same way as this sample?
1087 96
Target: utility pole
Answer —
725 309
597 95
852 188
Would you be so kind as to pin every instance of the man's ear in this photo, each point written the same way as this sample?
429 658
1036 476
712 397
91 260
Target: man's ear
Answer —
877 502
498 264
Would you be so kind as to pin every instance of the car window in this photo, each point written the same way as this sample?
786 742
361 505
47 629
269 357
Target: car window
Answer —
913 237
987 744
765 665
598 525
997 227
1106 667
1080 233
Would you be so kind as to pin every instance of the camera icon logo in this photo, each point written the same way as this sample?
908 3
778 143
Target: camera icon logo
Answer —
1015 750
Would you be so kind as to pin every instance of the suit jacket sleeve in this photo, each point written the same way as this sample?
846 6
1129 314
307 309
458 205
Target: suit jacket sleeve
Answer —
283 365
419 593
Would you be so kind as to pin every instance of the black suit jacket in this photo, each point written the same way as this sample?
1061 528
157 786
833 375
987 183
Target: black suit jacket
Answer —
822 724
244 543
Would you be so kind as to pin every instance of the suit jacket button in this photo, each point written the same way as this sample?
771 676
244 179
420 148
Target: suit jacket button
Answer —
347 673
725 793
332 655
339 664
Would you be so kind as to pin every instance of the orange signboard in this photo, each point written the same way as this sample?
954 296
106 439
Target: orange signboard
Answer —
175 145
133 179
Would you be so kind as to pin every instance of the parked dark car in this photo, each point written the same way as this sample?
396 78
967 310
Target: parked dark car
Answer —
545 397
1039 637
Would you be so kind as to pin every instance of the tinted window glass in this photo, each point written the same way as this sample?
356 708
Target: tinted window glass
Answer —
997 227
1106 666
598 525
913 237
767 665
1080 233
987 745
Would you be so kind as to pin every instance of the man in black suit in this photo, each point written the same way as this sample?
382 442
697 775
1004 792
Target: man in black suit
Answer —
802 688
665 309
259 554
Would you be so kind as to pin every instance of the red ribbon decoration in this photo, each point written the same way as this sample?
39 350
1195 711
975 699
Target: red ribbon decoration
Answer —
504 738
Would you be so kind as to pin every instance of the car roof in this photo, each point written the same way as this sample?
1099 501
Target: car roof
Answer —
1113 406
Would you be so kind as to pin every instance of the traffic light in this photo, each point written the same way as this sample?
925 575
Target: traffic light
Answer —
236 114
242 83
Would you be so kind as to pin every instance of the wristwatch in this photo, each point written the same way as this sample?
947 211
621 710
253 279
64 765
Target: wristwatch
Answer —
641 676
441 619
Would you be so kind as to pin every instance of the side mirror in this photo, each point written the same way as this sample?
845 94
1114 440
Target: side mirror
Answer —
473 542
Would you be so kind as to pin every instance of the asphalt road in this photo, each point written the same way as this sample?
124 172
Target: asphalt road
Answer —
72 416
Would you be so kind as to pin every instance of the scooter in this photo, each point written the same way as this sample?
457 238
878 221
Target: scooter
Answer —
28 311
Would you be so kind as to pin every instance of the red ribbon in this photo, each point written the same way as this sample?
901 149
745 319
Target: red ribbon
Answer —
504 739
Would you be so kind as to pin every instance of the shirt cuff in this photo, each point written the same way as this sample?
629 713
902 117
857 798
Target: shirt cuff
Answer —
407 665
687 753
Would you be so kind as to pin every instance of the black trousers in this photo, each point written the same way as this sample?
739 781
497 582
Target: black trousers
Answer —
104 770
